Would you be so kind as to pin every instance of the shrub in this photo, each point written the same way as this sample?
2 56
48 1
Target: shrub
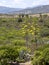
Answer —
46 55
41 57
19 19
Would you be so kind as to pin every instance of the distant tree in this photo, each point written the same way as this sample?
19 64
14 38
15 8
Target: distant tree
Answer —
27 15
40 20
22 15
19 19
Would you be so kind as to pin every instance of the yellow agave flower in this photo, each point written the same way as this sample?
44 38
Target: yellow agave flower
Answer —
22 28
23 32
30 30
32 33
25 26
34 28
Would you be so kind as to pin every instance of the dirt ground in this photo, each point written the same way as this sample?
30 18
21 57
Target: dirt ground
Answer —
27 63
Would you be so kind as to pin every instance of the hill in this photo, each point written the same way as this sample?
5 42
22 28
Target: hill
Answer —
13 31
5 10
35 10
22 36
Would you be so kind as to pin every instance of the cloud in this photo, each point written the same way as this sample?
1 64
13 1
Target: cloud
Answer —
40 2
23 3
13 3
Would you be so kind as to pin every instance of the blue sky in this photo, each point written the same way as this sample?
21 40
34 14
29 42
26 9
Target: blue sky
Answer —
23 3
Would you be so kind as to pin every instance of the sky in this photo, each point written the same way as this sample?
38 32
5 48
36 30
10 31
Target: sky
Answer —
23 3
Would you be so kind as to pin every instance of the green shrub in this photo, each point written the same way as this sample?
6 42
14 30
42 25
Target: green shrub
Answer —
41 57
46 55
20 20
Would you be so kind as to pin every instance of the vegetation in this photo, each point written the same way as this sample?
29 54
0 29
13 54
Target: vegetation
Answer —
41 56
22 36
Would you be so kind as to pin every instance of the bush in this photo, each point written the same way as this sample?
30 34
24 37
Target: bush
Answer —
20 60
12 54
20 20
7 55
46 55
41 57
37 58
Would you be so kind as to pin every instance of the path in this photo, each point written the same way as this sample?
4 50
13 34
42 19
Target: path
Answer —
27 63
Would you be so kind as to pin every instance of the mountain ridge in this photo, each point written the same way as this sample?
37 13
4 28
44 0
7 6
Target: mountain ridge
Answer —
29 10
5 10
35 10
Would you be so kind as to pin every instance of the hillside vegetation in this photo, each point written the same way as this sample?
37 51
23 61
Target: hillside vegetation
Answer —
22 35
